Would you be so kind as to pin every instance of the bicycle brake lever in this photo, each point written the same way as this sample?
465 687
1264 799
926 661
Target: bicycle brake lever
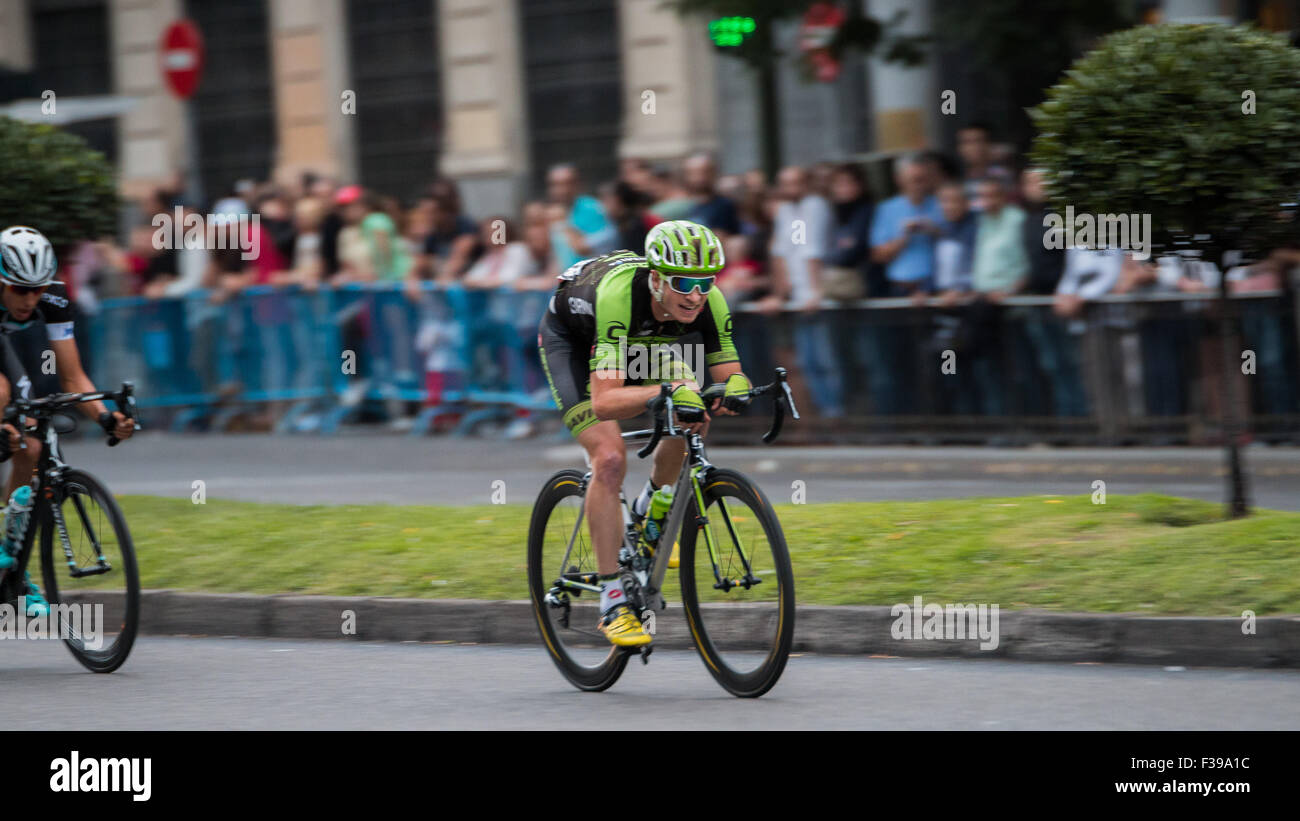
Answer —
778 419
654 440
789 397
782 380
670 414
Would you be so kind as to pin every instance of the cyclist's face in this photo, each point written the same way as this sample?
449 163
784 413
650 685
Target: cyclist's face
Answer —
20 306
684 308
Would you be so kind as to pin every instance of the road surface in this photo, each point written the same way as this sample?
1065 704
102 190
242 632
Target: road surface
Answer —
226 683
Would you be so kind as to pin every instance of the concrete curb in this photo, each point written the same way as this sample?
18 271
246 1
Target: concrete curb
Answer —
1026 635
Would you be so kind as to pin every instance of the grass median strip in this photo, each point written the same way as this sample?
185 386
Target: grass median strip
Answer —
1145 554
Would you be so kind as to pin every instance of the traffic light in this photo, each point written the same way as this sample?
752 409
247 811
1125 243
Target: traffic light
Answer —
730 32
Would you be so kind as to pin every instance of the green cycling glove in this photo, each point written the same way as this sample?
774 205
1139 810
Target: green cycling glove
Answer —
736 396
687 403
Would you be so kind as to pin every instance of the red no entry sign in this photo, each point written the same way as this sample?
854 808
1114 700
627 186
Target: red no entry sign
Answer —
181 57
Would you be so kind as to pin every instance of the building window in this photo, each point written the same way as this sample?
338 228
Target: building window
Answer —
395 73
233 104
574 85
71 57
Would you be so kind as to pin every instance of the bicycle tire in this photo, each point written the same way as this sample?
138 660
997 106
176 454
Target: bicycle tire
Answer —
108 659
589 678
721 484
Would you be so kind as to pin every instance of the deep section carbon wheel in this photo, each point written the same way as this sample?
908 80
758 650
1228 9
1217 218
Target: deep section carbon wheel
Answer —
738 593
559 547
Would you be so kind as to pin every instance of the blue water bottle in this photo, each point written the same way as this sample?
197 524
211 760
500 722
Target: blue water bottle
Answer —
16 513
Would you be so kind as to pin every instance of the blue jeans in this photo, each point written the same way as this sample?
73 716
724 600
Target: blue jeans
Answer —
985 367
1164 341
1057 354
820 366
880 350
1262 330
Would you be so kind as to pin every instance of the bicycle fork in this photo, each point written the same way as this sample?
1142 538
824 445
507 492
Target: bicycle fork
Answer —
69 555
724 584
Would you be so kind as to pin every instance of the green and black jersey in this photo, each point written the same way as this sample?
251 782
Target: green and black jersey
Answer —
601 316
607 299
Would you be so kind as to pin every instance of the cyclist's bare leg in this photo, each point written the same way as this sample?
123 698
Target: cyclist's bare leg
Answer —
24 464
669 454
9 433
668 461
608 456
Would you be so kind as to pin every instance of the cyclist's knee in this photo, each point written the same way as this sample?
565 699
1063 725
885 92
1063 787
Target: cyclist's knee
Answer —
609 464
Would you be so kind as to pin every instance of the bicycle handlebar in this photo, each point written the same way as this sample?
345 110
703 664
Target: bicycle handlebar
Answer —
661 406
46 406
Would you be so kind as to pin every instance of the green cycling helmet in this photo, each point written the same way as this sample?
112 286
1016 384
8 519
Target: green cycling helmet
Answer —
684 247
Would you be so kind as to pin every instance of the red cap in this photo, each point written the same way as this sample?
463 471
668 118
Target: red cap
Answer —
347 194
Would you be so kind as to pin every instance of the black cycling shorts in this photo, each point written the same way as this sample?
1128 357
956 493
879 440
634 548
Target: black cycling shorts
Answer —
567 361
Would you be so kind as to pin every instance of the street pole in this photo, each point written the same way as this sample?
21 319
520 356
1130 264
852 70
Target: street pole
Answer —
1238 506
769 127
193 179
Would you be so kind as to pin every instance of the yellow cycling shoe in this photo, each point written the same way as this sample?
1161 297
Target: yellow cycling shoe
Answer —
621 626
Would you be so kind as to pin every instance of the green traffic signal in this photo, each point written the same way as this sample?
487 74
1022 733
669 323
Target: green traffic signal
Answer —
730 31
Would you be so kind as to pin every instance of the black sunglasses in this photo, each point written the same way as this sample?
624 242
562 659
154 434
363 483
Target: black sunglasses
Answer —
24 290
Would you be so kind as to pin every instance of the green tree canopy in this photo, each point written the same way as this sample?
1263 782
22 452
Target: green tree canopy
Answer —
52 181
1156 120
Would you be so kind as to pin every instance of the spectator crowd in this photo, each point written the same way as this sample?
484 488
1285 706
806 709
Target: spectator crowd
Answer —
958 235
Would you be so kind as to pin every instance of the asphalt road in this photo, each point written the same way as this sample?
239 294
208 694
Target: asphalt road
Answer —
403 470
214 683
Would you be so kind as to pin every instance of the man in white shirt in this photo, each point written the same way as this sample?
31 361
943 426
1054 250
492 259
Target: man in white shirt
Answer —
1088 275
800 239
800 233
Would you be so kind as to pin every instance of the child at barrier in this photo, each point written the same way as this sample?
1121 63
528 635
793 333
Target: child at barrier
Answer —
441 341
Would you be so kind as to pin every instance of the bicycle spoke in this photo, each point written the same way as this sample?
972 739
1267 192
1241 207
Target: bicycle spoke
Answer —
89 528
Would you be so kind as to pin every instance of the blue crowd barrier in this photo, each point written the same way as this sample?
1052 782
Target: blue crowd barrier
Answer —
325 352
1128 368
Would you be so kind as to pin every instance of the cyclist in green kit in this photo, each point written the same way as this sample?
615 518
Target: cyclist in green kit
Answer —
612 319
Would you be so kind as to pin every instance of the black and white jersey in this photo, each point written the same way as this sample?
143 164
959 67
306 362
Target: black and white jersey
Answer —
26 342
54 311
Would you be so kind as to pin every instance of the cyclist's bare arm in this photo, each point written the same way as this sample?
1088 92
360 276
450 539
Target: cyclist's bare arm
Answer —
73 379
611 399
72 376
8 431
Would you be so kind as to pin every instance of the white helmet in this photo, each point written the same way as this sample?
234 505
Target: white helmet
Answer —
26 257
